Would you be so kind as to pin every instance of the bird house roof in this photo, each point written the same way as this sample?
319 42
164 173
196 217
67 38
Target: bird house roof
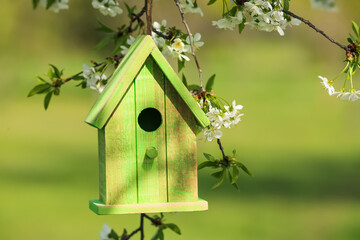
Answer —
125 74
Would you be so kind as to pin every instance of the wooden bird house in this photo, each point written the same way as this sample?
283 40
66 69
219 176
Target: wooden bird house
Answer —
146 120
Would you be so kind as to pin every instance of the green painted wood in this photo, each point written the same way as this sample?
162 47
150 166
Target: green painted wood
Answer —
181 148
120 82
125 74
102 165
103 209
120 145
180 88
151 172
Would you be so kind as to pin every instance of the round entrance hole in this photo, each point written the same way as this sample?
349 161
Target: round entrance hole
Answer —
150 119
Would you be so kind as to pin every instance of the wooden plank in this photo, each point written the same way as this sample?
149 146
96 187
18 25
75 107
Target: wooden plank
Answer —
102 209
121 179
180 88
120 82
181 148
102 165
151 172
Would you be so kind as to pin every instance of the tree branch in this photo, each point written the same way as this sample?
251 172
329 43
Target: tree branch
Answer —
307 22
221 148
149 6
141 227
191 43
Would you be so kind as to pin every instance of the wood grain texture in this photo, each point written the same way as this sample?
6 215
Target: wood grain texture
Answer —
120 82
152 186
102 209
180 88
120 145
181 148
102 165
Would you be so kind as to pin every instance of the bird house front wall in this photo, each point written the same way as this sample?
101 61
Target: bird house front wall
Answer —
127 174
152 174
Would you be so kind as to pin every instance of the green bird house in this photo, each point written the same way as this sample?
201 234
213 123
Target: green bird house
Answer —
146 120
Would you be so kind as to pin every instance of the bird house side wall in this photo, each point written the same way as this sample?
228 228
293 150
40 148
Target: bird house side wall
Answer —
117 150
181 148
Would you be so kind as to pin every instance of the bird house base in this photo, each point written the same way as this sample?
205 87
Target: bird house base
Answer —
101 209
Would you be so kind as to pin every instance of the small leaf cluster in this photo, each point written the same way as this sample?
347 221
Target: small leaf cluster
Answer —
119 36
49 3
353 49
49 87
158 221
229 169
207 96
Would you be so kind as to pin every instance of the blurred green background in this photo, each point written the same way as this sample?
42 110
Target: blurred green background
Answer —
301 145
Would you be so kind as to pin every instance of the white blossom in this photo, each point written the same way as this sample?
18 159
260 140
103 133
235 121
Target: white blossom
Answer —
196 42
328 85
159 41
129 42
107 7
229 22
262 15
188 7
176 50
159 26
56 6
93 80
226 117
212 134
352 96
104 235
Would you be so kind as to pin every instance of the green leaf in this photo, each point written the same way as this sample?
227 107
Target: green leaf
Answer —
352 38
77 78
103 28
211 2
217 174
221 179
50 3
242 26
244 168
130 10
158 235
356 29
209 157
234 152
38 89
194 87
286 5
235 175
174 227
47 100
41 79
35 3
56 71
235 186
210 83
184 80
181 65
114 235
105 41
207 164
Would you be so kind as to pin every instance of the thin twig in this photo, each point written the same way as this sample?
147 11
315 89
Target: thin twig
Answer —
141 227
149 6
79 73
221 148
307 22
142 236
191 43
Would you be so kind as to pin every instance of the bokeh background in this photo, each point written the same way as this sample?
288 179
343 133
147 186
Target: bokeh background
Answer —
301 145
